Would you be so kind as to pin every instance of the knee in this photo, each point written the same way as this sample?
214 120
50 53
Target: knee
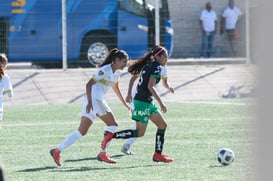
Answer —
163 126
140 134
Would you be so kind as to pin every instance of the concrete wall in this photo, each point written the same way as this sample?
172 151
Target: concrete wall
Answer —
187 35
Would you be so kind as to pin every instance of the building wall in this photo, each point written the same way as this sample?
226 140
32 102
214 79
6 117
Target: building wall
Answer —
187 34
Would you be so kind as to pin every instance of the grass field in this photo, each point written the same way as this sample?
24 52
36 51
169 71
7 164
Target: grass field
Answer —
196 131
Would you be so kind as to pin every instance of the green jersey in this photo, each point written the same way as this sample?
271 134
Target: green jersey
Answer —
153 69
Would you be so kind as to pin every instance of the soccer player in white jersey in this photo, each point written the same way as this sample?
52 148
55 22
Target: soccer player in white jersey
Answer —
5 83
94 104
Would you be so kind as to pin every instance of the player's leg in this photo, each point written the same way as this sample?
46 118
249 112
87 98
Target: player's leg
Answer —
159 121
111 124
129 133
126 147
72 138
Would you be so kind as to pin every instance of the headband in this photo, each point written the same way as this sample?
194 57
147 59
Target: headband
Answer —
157 53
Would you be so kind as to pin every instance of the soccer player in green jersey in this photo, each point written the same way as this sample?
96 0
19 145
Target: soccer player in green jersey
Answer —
145 108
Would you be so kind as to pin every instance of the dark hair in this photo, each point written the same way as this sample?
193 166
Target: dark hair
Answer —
3 64
114 53
148 57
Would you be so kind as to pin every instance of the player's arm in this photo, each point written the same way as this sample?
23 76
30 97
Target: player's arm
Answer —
131 84
89 85
166 84
154 93
116 89
8 92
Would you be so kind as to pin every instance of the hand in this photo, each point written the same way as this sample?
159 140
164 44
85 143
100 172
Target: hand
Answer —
163 108
129 98
128 107
171 89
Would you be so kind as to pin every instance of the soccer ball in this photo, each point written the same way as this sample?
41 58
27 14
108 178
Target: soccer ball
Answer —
225 156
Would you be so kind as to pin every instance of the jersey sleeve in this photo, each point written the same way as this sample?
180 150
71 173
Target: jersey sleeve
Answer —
118 75
164 72
7 86
99 74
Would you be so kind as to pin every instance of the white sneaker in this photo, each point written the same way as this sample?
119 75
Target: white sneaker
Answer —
126 149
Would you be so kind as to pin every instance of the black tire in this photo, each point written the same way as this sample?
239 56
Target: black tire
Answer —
95 49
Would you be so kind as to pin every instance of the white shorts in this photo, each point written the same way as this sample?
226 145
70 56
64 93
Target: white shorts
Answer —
100 108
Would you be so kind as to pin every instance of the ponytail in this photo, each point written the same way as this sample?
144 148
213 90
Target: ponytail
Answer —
149 57
114 53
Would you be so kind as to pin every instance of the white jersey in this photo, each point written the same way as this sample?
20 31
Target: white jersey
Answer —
5 88
164 72
104 78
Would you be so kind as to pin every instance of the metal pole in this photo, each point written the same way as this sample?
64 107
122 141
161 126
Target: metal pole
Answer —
157 23
247 32
64 36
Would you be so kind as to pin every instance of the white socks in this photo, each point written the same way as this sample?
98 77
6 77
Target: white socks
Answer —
130 141
72 138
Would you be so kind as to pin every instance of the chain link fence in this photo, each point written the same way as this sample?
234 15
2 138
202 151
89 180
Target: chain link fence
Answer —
187 34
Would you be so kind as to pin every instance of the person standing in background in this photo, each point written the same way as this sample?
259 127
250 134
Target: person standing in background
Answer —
229 21
208 26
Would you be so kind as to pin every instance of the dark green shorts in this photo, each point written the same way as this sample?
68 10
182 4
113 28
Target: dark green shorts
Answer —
143 110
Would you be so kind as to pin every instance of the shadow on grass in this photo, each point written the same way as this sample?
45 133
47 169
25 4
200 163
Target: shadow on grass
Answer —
37 169
82 169
93 168
216 166
92 158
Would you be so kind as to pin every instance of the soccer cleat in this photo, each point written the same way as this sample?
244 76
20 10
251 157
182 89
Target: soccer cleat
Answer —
161 158
126 149
102 156
55 153
106 139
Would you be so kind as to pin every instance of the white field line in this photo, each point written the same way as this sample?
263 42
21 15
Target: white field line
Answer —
128 121
216 103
